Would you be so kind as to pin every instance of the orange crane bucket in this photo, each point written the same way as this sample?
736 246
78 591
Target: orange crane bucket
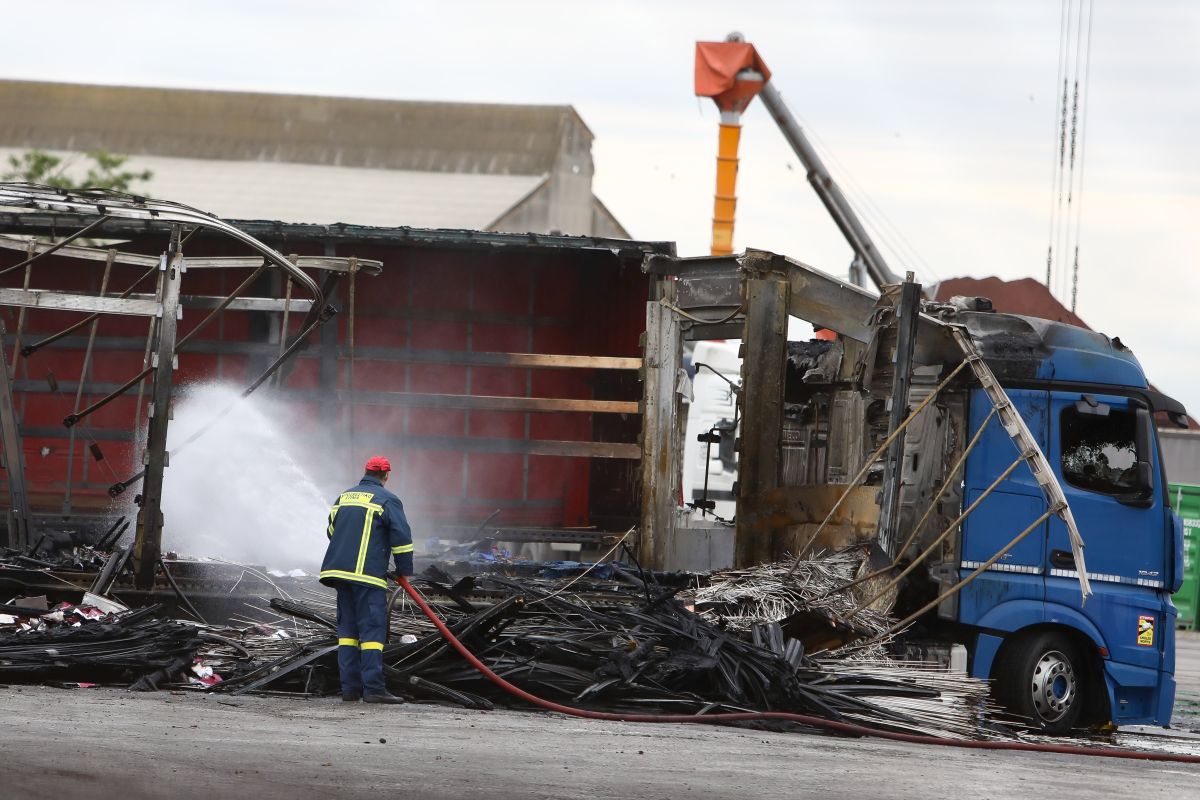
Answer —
731 73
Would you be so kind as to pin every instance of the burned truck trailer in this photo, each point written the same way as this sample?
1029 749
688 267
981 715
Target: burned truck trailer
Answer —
970 454
501 369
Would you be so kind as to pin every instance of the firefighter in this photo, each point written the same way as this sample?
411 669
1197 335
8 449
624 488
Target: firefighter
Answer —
366 523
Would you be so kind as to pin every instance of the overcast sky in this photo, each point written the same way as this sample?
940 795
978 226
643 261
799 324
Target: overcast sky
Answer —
942 113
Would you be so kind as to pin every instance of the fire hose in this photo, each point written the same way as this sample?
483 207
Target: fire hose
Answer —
725 718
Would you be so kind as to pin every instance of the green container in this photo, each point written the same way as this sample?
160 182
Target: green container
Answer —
1186 502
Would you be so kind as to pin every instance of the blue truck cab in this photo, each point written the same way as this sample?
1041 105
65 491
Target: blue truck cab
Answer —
1053 658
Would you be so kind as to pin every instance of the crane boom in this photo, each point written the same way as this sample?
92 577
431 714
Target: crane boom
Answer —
732 73
827 189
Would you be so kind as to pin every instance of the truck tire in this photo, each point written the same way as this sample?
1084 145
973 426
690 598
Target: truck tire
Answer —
1040 677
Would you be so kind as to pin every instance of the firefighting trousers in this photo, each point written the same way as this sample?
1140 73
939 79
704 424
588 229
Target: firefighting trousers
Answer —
361 630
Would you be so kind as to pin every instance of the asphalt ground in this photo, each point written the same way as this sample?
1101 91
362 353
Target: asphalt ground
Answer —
1186 715
109 743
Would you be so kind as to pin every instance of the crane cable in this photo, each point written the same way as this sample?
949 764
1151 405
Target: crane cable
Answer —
1066 188
1065 228
1087 71
873 216
1060 133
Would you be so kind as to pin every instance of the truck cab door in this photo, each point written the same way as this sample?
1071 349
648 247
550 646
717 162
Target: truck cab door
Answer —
1015 503
1104 449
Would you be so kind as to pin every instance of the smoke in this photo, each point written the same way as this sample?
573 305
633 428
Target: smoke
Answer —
238 492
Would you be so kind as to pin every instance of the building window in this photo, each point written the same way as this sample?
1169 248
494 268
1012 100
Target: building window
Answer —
1099 453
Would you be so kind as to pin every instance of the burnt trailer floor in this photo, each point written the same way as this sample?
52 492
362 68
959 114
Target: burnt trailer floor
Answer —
90 743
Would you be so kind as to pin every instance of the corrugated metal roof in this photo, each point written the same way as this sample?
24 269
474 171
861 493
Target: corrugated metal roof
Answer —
321 194
246 126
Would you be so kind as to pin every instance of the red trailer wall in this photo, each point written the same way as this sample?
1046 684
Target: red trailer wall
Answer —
416 330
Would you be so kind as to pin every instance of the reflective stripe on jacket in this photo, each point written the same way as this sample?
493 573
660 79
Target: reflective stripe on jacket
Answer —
366 526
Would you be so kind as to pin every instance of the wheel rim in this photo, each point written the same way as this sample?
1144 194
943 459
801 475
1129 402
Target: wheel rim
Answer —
1054 686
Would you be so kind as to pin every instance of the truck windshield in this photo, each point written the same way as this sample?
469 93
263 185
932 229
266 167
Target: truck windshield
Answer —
1099 453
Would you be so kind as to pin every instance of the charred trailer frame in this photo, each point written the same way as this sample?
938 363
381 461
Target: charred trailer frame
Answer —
70 290
505 366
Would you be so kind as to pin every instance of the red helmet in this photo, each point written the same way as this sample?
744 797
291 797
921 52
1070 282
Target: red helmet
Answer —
378 464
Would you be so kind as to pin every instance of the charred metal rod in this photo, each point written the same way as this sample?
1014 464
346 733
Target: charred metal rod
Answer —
73 418
484 524
188 236
58 245
117 488
283 328
179 592
595 564
928 511
29 350
956 588
213 637
103 541
942 536
873 457
21 317
672 307
1039 465
296 344
83 377
221 306
946 482
111 571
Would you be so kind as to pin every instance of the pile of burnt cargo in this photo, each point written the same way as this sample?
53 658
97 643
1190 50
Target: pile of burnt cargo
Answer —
756 640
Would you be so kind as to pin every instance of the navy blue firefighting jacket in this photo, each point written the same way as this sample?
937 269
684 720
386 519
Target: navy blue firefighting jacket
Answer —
366 524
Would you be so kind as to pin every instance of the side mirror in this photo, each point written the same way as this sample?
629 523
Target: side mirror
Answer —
1142 495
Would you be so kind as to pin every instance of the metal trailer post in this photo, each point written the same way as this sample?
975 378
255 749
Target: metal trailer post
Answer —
908 311
831 196
662 450
14 461
763 361
147 545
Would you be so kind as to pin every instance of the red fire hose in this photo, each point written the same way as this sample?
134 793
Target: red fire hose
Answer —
747 716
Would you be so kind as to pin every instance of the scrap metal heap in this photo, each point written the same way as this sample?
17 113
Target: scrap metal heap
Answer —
628 645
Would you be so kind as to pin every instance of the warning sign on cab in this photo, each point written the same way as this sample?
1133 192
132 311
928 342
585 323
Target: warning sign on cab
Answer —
1145 632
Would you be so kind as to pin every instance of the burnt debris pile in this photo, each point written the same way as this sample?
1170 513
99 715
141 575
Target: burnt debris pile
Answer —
629 647
85 645
758 640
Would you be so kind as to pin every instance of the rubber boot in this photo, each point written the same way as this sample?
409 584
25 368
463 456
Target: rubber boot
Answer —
386 697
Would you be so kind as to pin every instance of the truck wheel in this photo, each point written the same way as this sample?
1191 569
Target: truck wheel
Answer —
1040 678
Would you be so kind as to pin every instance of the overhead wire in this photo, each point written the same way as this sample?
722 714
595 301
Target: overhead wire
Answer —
874 216
1087 72
1065 226
1056 156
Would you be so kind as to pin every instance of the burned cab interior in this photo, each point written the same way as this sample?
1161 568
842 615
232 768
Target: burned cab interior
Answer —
855 439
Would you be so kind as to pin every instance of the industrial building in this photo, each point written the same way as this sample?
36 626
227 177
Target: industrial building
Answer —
301 158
